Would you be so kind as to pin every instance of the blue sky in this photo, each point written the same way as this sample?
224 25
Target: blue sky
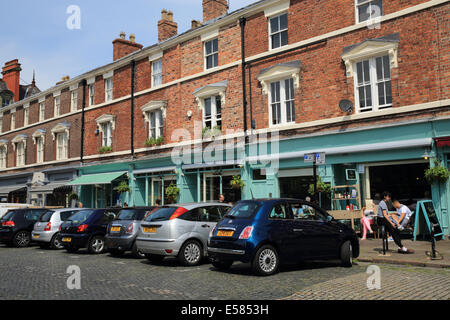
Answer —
37 35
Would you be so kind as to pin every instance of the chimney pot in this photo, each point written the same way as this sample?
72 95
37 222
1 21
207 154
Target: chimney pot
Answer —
132 37
122 35
167 28
195 24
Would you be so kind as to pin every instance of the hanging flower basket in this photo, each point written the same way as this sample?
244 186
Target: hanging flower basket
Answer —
437 174
123 187
172 192
237 183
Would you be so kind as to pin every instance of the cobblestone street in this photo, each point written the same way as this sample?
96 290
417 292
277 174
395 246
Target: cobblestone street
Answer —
34 273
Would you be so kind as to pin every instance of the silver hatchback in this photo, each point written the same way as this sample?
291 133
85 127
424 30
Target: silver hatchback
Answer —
179 230
46 230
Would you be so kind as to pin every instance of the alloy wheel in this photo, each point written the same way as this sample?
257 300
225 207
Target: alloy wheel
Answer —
23 239
268 260
192 253
98 245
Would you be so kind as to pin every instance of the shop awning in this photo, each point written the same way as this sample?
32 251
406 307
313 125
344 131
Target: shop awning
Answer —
442 142
5 191
49 188
153 170
101 178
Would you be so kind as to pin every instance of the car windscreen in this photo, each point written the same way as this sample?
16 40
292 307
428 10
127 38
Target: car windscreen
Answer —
244 210
46 217
160 214
129 214
80 216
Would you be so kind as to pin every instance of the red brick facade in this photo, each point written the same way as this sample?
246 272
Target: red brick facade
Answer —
422 75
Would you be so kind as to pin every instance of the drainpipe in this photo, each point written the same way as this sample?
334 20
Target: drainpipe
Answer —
242 22
133 70
83 106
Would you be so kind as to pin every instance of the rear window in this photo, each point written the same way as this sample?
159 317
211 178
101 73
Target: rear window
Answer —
127 214
9 215
46 216
244 210
161 214
81 216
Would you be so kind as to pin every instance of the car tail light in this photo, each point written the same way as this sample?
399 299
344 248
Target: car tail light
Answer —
8 224
246 233
179 212
169 251
82 228
130 228
48 227
60 228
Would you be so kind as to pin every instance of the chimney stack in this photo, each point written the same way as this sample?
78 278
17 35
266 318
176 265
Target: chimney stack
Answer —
123 47
11 75
213 9
195 24
167 28
63 79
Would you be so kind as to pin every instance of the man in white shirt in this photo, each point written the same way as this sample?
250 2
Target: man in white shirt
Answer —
403 214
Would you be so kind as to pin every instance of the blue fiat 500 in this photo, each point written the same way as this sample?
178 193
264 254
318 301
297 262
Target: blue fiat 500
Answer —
270 231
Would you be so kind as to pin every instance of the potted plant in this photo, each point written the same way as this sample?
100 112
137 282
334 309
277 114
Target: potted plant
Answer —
123 187
105 149
322 187
437 174
151 142
211 132
172 192
237 182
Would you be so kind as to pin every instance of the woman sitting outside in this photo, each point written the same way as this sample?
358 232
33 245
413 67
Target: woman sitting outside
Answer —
367 215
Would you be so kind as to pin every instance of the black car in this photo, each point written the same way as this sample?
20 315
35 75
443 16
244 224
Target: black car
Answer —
16 226
266 232
122 232
86 229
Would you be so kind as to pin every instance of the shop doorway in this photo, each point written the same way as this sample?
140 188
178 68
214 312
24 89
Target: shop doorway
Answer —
406 182
295 187
212 185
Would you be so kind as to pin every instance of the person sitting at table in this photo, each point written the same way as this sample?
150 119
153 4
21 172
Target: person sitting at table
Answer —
367 215
403 215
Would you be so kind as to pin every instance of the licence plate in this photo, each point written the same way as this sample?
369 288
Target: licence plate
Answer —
222 233
115 229
150 229
36 236
66 239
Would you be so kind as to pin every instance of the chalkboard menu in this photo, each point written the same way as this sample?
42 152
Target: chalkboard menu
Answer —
432 217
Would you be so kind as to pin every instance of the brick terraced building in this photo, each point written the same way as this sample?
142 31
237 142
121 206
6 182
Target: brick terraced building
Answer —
366 82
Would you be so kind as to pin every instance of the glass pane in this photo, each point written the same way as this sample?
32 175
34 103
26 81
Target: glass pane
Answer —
218 105
152 119
363 12
379 64
376 8
283 22
366 71
208 47
274 25
359 72
276 41
209 62
208 107
284 38
381 96
387 67
216 60
388 93
362 97
368 96
215 45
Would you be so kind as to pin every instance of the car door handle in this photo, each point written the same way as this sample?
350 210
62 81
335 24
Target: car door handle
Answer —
298 230
205 226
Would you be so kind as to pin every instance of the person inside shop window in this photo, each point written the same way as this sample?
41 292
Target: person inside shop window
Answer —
383 218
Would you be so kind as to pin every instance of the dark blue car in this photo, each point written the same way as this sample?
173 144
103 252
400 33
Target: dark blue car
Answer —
86 229
269 231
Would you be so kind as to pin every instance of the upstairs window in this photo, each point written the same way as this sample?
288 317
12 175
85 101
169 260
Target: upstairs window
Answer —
1 124
212 114
278 31
373 84
42 111
3 155
155 124
39 149
26 116
368 9
13 121
74 100
6 102
91 95
62 142
107 134
282 106
20 154
57 102
211 53
109 89
157 73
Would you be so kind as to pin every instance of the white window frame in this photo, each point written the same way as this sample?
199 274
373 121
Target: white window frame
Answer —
13 120
109 89
373 85
279 31
40 149
155 107
106 124
357 5
157 78
283 102
159 123
91 89
41 111
3 156
26 116
1 124
57 106
212 54
74 100
215 117
20 154
62 151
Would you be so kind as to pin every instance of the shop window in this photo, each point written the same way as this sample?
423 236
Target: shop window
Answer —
368 9
278 31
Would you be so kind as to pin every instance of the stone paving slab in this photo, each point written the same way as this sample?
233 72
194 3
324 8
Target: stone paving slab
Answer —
371 251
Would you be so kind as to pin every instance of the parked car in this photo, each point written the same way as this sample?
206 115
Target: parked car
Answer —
16 226
180 231
122 232
46 230
5 207
267 232
86 229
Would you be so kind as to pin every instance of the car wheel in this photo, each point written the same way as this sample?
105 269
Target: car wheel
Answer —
266 261
346 254
136 252
191 253
154 257
22 239
55 243
96 245
71 249
222 264
116 252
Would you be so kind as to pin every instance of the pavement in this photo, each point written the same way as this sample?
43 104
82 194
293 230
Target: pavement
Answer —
372 251
35 273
